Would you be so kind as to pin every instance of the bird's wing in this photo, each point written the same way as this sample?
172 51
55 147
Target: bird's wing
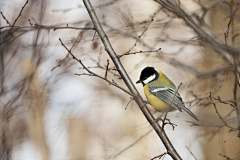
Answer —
170 96
167 95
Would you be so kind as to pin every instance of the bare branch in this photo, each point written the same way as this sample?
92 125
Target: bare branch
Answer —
215 44
191 152
92 73
220 117
228 158
106 69
9 32
131 145
132 98
129 53
138 38
5 19
160 156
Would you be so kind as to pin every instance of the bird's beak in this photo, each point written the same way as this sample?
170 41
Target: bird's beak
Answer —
139 81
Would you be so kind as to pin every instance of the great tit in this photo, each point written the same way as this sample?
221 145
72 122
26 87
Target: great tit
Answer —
161 91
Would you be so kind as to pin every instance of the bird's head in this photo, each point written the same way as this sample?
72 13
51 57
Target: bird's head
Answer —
148 75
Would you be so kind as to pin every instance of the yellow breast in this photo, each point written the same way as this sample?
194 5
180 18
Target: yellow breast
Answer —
157 103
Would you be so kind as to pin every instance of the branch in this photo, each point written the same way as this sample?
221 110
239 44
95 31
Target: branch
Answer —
5 19
228 158
138 38
129 53
191 153
92 73
108 47
235 89
54 27
220 117
14 22
160 156
212 42
132 144
106 69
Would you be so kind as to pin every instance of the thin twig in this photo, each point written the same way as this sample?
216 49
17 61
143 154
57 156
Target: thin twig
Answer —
5 19
106 69
132 98
228 158
132 144
48 27
9 32
191 152
138 38
225 102
160 156
92 73
30 22
214 105
19 15
94 36
67 27
237 152
230 139
139 52
235 89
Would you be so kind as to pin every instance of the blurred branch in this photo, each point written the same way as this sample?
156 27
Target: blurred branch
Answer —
220 117
139 37
234 58
37 26
236 82
105 4
76 41
210 41
228 158
191 153
9 32
108 47
131 145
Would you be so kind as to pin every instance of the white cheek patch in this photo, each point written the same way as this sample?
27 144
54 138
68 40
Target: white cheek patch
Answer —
149 79
160 89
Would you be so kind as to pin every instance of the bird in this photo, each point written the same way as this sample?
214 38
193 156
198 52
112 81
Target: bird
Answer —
161 92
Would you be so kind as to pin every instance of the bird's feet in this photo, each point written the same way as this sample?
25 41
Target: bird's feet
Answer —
146 102
167 121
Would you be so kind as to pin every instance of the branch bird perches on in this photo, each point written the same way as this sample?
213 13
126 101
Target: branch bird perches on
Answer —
142 105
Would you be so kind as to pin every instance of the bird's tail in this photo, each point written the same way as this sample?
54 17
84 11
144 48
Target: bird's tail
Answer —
189 112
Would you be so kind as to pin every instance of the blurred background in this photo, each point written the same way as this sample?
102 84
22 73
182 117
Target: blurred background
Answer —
48 112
